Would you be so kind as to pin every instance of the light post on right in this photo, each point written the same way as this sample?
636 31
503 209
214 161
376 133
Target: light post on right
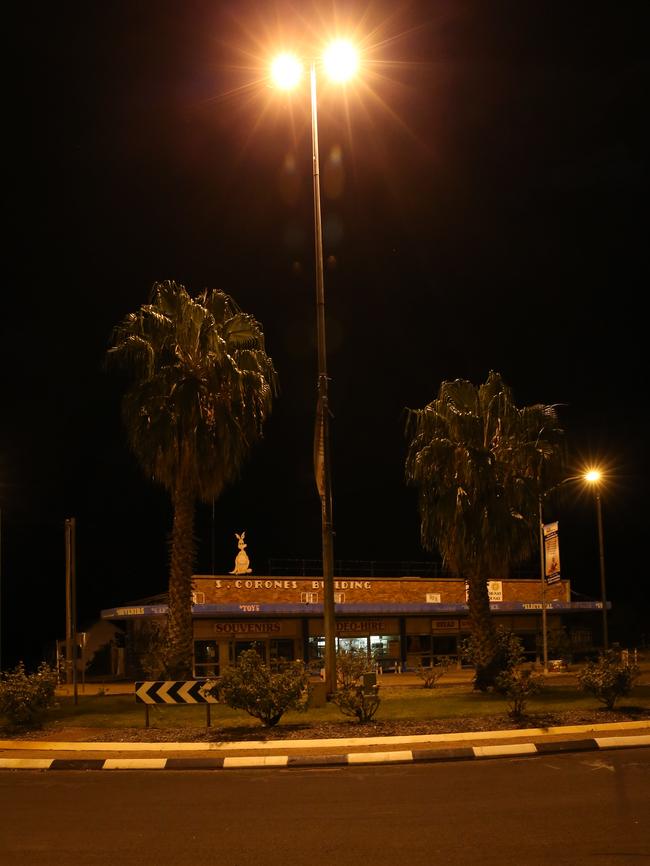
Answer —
594 477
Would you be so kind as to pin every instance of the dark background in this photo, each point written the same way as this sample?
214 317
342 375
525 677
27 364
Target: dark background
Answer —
485 193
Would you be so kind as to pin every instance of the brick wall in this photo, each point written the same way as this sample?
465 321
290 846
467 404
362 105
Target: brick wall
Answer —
231 589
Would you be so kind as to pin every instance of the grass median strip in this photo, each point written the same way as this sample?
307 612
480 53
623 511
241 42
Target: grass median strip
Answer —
409 703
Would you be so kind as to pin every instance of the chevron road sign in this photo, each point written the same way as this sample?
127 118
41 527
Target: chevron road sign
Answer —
173 692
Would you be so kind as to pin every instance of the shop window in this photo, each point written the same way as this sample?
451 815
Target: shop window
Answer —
241 646
529 644
581 638
352 644
418 651
281 653
309 597
445 645
339 598
206 658
316 649
385 649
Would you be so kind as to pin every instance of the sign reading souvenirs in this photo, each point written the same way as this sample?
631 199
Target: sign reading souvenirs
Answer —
172 692
247 628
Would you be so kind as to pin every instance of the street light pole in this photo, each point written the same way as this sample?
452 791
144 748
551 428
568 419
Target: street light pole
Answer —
542 571
601 556
322 445
341 61
594 477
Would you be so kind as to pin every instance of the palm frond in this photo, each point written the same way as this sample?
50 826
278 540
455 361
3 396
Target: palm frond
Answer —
201 386
480 463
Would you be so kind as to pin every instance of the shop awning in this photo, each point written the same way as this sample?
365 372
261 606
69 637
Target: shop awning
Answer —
226 611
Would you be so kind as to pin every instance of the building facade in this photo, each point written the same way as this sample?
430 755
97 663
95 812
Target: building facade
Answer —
401 622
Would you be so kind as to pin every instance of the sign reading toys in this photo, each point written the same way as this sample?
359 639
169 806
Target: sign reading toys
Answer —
552 552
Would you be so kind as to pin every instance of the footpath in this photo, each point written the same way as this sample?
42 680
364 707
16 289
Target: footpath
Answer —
35 754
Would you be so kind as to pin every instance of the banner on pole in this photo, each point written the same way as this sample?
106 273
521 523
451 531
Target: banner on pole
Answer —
552 552
319 449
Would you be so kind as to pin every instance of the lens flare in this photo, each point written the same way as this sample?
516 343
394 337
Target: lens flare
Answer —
341 60
286 71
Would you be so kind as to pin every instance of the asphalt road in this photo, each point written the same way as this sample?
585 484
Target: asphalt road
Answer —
565 810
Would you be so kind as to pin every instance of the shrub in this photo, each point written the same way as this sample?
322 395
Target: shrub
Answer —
518 685
266 696
432 673
608 678
509 653
356 696
24 698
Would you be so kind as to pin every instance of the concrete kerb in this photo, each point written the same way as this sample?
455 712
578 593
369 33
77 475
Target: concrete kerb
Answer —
324 753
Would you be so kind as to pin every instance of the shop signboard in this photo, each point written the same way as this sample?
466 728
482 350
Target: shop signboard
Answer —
445 625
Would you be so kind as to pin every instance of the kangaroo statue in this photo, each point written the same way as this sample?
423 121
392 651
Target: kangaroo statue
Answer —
242 562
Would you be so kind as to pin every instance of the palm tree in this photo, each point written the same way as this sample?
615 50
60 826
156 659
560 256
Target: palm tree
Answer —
480 464
201 387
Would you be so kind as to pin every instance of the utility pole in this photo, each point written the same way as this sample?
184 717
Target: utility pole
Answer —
542 570
71 604
601 559
323 468
0 589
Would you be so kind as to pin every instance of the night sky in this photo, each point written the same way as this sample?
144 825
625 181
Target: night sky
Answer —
485 198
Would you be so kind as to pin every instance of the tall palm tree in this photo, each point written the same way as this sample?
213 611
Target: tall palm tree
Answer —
201 387
480 464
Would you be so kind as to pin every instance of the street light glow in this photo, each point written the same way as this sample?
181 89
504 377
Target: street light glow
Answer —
286 71
593 476
341 60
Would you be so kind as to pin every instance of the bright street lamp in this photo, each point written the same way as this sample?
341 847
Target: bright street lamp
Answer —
286 71
594 477
340 62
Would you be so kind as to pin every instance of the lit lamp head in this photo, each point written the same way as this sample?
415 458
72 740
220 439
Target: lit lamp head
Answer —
341 61
593 476
286 71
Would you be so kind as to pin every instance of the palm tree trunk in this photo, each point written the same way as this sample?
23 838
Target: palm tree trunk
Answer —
180 585
484 638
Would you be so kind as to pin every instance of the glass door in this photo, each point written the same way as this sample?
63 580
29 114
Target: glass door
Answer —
206 658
